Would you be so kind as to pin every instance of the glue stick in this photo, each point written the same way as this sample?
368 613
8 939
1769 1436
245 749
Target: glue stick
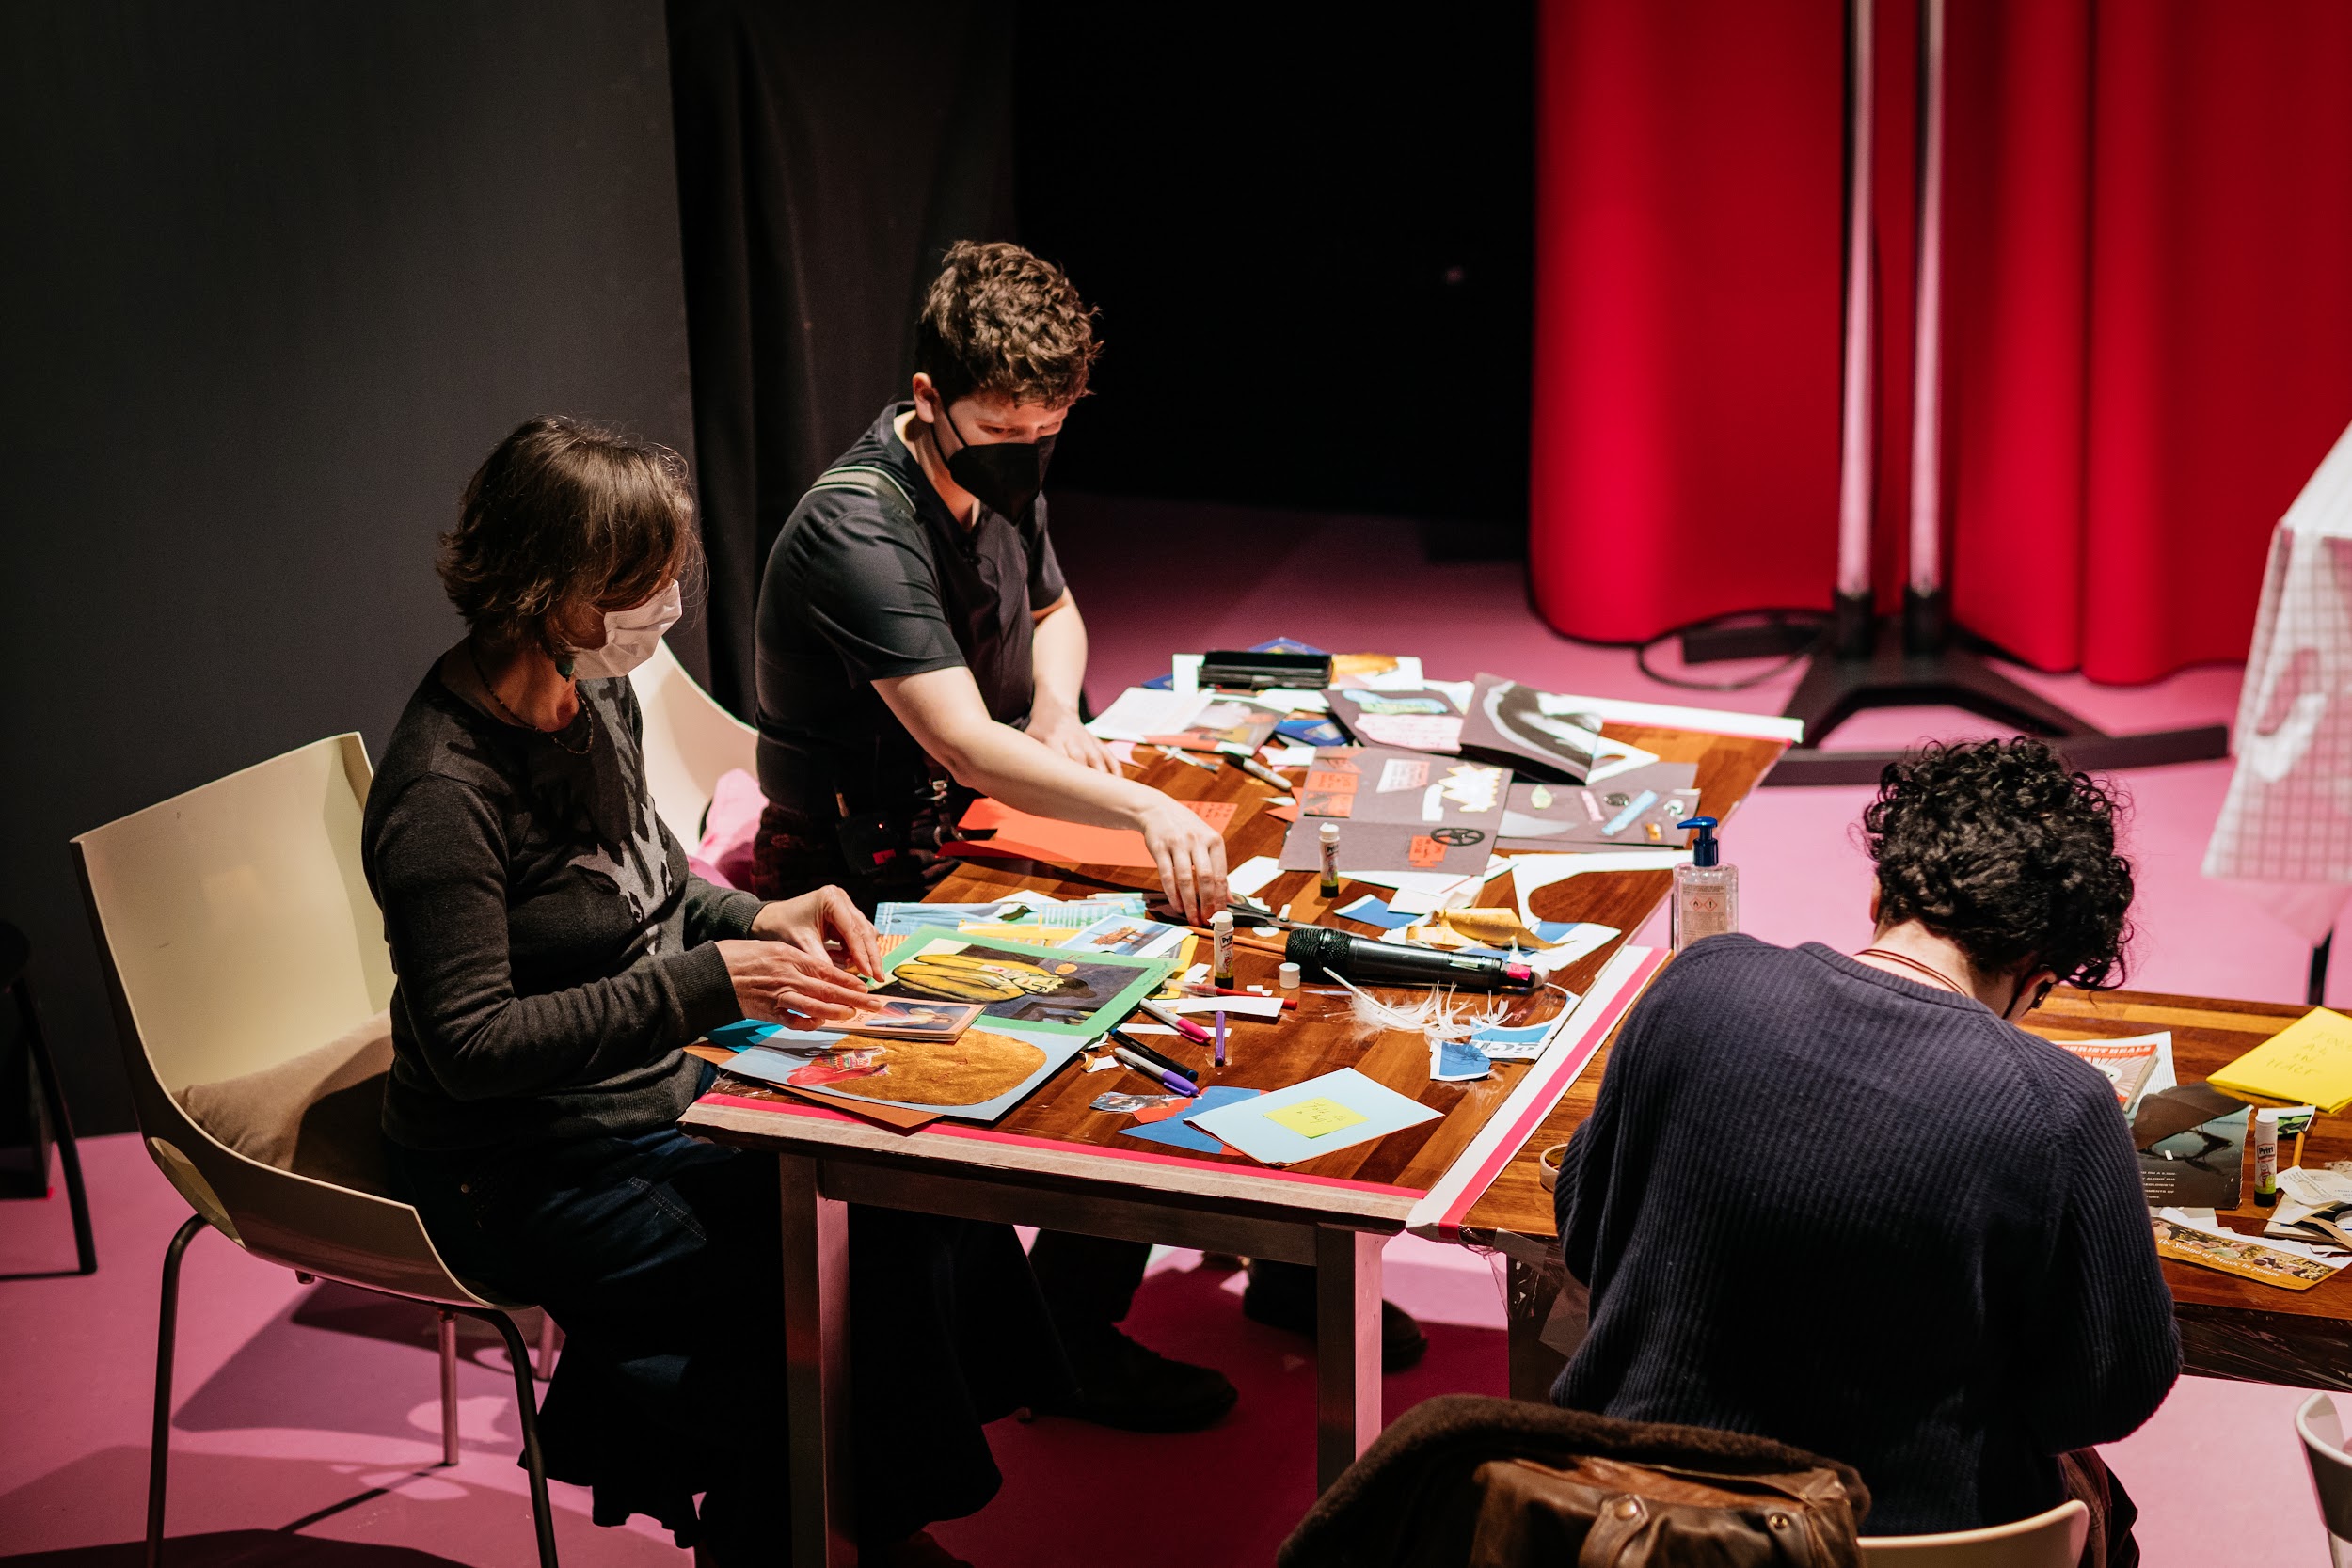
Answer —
2265 1157
1221 936
1330 859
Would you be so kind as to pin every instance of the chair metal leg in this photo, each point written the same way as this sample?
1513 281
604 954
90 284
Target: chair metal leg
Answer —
527 1409
60 1128
449 1386
167 1330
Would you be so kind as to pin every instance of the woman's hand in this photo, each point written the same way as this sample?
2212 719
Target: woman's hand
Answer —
776 982
1190 855
815 920
1059 732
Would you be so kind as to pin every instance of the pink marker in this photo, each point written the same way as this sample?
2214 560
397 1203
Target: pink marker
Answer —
1177 1021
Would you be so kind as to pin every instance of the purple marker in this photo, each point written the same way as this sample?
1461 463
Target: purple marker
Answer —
1220 1036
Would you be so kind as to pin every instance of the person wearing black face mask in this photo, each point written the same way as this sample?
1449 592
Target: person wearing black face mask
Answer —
917 645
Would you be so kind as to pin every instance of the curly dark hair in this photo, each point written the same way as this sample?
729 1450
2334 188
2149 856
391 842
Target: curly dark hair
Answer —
566 513
2000 848
997 319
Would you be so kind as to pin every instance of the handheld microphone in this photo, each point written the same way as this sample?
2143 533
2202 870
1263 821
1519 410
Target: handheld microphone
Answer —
1314 947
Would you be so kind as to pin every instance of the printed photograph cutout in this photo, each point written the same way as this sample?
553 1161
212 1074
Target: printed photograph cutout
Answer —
1420 718
1052 990
1543 734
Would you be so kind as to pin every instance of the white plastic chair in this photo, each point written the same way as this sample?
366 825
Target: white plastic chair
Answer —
2052 1540
237 934
690 741
2322 1431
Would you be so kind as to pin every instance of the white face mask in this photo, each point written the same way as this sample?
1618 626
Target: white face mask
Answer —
631 637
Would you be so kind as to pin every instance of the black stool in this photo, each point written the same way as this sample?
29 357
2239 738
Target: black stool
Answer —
16 956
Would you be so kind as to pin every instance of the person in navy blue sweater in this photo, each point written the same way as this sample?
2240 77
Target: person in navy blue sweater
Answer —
1845 1203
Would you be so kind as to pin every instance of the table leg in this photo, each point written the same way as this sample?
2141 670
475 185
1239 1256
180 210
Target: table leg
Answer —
1347 1347
817 1367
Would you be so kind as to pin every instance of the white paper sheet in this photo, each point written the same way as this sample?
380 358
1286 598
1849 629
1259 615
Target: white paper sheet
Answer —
1140 711
1250 877
1530 872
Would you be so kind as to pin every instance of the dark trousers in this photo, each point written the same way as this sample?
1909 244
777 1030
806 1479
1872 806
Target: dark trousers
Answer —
660 1258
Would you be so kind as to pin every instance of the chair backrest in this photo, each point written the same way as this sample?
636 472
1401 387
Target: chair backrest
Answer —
2320 1428
237 933
2052 1540
690 741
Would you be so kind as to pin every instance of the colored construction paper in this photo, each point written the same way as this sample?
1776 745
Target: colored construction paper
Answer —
1041 838
1318 1117
1375 912
1177 1130
1456 1062
2307 1063
1254 1131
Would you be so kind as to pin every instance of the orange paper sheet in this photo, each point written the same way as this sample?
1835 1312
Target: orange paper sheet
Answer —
1074 843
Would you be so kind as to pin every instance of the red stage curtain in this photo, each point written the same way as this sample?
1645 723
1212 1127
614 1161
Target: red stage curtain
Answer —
2148 336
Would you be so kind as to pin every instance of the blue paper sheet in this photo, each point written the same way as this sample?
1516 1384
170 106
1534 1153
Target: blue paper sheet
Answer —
1457 1061
1313 732
1179 1132
744 1033
1375 912
1249 1129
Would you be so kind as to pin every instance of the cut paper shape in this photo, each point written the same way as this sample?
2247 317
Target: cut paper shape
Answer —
1140 711
1249 1129
2307 1063
1050 990
1216 814
1318 1117
1457 1062
1041 838
1373 911
1173 1126
1530 872
1133 934
1546 732
1250 877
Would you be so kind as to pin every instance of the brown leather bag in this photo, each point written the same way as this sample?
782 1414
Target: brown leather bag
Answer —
1601 1513
1498 1484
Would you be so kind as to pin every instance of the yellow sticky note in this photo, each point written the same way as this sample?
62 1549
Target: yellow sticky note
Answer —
1313 1119
2307 1063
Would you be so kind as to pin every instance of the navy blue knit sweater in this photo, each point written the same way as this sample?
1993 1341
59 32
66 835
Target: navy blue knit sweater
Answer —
1866 1217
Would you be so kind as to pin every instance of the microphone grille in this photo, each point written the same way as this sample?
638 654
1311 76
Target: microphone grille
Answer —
1316 948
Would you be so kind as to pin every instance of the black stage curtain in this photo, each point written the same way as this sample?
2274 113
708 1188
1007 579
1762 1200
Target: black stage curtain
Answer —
826 157
274 278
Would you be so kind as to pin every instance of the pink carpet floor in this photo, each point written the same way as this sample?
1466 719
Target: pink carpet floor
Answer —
308 1429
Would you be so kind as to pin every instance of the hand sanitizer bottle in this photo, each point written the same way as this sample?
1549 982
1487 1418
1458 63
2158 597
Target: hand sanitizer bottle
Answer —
1707 893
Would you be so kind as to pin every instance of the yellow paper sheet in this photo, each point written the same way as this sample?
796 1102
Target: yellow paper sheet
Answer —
2307 1063
1313 1119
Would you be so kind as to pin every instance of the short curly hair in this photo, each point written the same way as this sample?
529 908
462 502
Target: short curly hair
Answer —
998 318
2000 848
566 512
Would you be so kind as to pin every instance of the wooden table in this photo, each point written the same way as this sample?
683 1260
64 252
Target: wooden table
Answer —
2230 1327
1056 1162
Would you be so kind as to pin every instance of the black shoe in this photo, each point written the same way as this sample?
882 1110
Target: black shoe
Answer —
1284 1305
1122 1384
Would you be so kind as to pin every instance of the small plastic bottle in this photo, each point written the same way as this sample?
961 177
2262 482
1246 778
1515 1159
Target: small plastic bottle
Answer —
1707 893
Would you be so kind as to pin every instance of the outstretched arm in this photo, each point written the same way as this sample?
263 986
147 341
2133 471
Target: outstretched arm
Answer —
1058 659
943 711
